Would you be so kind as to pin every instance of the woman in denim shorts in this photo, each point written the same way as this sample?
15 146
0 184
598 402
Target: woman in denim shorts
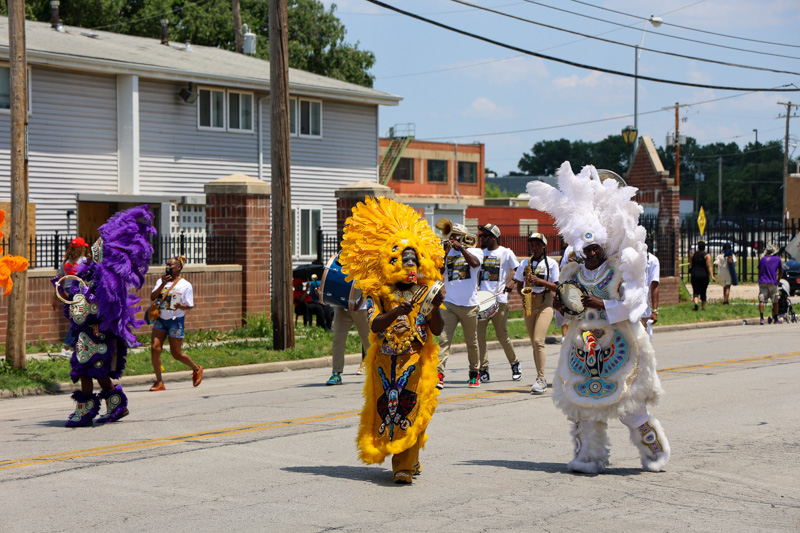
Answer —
176 297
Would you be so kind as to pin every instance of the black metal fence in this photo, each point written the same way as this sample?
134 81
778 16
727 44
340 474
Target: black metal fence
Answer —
48 250
749 237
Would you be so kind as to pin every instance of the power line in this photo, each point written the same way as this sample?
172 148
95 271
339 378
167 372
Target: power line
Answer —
686 27
162 15
594 37
661 34
595 121
581 65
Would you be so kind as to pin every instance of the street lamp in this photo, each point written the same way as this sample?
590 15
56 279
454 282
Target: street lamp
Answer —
656 22
629 136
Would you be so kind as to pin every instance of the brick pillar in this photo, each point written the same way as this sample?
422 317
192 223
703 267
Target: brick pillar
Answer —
348 196
239 206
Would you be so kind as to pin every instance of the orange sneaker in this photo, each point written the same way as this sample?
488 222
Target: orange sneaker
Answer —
197 377
158 385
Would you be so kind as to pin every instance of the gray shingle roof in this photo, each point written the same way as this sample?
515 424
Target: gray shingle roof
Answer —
117 53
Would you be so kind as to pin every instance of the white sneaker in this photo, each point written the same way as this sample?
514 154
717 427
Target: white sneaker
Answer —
539 386
65 353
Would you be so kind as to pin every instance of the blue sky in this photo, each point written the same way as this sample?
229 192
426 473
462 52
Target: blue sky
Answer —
459 89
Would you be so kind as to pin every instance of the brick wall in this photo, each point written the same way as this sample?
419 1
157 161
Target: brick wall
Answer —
217 299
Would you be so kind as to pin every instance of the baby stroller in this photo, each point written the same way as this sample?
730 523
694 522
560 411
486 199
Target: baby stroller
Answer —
785 309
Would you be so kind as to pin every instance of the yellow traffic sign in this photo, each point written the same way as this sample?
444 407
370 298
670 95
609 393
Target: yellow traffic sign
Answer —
701 221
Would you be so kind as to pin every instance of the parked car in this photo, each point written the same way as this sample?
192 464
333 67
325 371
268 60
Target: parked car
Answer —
791 270
716 246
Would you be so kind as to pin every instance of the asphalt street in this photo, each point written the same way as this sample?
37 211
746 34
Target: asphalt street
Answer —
276 452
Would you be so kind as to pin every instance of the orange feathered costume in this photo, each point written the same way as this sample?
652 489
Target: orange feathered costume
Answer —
9 263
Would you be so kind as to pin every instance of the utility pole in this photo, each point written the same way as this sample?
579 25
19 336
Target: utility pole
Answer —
677 148
281 260
789 107
758 164
18 67
719 190
237 26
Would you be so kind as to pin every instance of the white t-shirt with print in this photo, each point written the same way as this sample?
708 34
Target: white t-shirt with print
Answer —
540 270
461 281
651 274
182 294
494 272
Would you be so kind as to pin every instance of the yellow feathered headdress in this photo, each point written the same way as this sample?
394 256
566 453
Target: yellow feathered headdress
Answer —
374 239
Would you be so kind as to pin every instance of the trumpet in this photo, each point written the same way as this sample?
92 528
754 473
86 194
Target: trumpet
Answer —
445 228
527 292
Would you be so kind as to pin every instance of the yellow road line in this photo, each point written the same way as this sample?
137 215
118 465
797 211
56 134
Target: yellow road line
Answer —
224 432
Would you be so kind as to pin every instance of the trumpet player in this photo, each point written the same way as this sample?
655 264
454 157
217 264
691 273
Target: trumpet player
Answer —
462 270
497 276
536 279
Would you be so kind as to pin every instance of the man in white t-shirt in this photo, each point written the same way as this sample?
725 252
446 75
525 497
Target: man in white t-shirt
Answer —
462 270
652 280
499 265
539 273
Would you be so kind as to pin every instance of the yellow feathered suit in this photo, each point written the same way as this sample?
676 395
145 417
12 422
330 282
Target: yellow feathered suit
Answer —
9 264
400 391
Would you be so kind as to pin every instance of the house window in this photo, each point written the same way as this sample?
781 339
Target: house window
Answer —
5 88
404 171
310 118
292 116
211 109
305 231
240 111
437 171
467 172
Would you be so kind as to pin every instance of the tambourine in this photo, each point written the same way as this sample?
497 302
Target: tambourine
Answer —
427 301
570 295
79 297
79 308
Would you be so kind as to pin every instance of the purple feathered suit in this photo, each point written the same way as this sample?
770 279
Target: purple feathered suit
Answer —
102 325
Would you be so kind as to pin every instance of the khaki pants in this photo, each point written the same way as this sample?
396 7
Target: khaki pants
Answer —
468 316
499 320
343 320
537 325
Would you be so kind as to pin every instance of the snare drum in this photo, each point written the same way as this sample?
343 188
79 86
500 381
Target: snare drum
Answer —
334 290
487 305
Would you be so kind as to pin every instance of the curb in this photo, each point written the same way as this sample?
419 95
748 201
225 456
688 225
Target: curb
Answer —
304 364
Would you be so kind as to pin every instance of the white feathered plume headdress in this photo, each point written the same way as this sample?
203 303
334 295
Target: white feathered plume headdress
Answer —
590 211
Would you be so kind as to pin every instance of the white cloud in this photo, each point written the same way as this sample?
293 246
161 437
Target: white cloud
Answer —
483 107
593 79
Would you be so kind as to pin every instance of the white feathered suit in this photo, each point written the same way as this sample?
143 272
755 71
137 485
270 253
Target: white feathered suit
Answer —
607 366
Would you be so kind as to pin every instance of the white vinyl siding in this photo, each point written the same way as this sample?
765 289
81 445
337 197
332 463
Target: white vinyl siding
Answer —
177 158
72 142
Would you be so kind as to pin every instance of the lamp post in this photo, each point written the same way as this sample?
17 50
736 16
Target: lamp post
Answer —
758 163
656 22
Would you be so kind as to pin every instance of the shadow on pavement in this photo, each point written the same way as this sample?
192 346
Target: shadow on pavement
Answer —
555 468
378 476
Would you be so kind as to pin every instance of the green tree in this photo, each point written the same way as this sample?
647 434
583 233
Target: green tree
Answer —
494 191
316 36
546 156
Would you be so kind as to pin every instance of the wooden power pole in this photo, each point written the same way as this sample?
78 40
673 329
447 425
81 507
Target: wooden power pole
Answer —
789 107
281 260
677 148
18 66
237 26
